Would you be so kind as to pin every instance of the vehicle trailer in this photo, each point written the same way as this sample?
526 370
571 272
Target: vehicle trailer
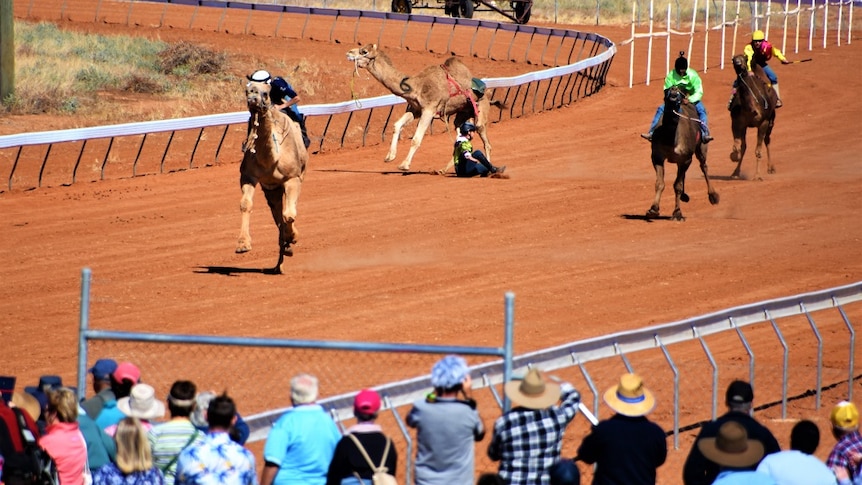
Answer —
519 10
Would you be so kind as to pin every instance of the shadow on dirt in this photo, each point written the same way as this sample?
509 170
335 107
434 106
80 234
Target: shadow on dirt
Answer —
643 217
380 172
232 271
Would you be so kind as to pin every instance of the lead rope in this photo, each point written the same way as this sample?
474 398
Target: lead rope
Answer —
764 100
252 134
353 94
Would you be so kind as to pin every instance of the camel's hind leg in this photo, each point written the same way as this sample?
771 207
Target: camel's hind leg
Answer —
658 165
396 135
770 168
282 203
243 243
679 190
738 150
701 157
424 122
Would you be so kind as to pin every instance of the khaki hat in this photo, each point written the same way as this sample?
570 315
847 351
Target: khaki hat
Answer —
28 403
630 397
532 392
142 403
731 448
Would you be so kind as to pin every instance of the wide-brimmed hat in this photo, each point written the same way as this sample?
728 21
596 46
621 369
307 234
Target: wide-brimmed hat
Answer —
731 447
533 392
629 397
28 403
142 403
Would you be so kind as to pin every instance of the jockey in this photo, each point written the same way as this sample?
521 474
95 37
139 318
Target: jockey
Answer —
758 52
689 82
284 98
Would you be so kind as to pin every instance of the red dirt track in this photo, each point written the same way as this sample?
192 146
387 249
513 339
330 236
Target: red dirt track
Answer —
427 259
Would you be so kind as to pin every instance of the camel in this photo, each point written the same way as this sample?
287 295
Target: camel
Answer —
437 91
753 107
275 157
677 140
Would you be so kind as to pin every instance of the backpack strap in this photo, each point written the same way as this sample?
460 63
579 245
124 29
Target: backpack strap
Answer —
177 456
365 453
27 437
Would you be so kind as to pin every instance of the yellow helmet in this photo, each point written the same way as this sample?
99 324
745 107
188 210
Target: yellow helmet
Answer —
758 35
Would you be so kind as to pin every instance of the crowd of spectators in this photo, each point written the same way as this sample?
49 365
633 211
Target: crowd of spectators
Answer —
121 436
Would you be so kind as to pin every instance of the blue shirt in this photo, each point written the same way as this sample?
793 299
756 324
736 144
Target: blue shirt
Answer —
793 467
110 415
743 477
302 443
218 460
111 475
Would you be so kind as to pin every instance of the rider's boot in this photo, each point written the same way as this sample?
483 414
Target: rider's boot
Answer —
777 95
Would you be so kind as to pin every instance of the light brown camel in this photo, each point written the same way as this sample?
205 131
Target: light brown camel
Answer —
753 106
275 157
437 91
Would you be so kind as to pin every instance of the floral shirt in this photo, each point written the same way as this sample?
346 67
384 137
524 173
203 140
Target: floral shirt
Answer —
111 475
218 460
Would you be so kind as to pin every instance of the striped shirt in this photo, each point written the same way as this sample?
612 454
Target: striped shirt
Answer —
167 441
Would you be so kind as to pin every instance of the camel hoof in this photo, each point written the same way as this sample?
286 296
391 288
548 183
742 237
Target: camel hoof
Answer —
677 215
770 170
652 213
243 248
714 198
684 197
404 168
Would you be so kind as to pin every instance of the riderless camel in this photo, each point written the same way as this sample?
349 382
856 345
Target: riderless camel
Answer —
436 92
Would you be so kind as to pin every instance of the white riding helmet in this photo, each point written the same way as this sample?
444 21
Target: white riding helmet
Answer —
260 76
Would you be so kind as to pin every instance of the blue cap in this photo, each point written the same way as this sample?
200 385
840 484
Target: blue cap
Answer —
7 386
449 371
103 368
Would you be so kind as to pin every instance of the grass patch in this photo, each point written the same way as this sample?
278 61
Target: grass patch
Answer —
63 72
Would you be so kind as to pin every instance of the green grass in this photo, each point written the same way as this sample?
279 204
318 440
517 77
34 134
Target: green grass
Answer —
59 71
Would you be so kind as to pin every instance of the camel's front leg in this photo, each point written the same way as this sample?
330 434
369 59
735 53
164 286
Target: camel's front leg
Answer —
396 135
246 203
424 122
658 165
738 152
275 201
288 215
679 190
701 157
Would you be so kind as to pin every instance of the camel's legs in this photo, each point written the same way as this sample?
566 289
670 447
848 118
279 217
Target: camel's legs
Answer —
738 152
396 135
658 165
701 157
246 203
679 189
424 122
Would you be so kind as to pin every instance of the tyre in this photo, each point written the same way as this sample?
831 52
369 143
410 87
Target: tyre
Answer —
523 11
466 8
402 6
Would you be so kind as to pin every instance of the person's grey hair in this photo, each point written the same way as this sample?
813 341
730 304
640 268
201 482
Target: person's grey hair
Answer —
202 402
303 389
742 407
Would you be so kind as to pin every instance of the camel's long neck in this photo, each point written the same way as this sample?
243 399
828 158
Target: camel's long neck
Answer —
385 72
260 131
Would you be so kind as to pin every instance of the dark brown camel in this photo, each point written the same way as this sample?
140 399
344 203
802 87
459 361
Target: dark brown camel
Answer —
752 107
275 157
676 141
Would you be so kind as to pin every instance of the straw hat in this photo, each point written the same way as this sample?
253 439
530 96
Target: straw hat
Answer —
630 397
532 392
142 403
731 448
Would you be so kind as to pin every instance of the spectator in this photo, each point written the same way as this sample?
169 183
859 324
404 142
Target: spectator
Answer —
736 455
798 466
124 377
528 438
446 426
169 439
63 439
15 465
101 372
239 430
301 443
46 384
565 472
134 459
101 448
349 466
627 448
141 404
739 397
218 460
844 460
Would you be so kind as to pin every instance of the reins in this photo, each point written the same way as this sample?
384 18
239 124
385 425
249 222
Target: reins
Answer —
762 99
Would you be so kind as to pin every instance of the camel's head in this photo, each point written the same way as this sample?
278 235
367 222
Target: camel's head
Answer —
363 56
674 95
739 64
257 96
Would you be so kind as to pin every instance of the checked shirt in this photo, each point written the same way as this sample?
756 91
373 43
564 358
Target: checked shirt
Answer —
527 441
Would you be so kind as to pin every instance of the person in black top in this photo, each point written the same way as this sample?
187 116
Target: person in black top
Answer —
348 463
626 448
698 470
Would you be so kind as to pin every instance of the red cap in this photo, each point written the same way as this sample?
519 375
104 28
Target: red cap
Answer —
127 371
367 402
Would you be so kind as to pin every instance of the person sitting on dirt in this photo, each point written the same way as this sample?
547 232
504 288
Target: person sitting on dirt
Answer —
689 82
758 52
284 98
469 162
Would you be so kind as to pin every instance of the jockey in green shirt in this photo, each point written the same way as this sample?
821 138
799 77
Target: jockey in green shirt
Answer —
689 82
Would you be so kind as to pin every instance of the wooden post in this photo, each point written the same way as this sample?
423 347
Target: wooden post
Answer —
7 49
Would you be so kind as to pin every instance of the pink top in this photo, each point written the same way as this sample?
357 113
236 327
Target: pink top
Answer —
66 445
